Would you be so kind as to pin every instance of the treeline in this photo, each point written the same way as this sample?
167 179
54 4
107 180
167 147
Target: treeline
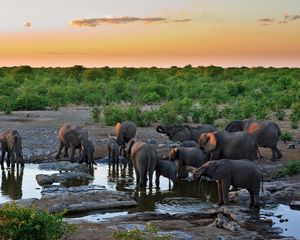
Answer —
190 93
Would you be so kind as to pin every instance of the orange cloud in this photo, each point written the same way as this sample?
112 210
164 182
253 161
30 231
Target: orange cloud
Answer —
94 22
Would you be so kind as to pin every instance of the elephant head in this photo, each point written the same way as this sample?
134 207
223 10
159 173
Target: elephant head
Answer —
88 151
208 142
235 126
212 169
170 130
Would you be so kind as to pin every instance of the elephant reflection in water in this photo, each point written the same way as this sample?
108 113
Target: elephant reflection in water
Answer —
120 174
11 184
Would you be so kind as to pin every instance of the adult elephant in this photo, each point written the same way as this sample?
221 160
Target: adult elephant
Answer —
144 159
11 142
266 133
223 144
238 173
182 133
124 132
74 137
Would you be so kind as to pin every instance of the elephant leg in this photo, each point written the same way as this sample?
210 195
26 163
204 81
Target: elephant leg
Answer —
273 154
256 199
109 153
143 181
8 159
150 177
251 204
220 193
137 174
72 153
157 175
279 154
2 159
66 152
12 156
61 145
225 188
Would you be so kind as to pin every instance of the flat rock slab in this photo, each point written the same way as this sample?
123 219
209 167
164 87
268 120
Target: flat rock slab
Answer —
44 179
79 199
64 166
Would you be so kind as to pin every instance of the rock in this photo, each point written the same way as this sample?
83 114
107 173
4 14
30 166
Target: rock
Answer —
175 234
64 166
291 146
152 141
242 197
44 179
28 202
295 205
82 199
223 222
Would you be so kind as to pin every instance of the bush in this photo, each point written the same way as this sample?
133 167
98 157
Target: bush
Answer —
31 224
286 136
95 114
151 233
291 168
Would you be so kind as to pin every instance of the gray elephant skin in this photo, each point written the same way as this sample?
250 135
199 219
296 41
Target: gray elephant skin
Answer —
124 131
189 143
184 157
144 158
73 137
223 144
166 169
11 143
266 133
238 173
182 133
88 153
113 149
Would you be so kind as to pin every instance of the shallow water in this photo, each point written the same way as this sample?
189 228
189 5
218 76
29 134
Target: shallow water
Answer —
187 196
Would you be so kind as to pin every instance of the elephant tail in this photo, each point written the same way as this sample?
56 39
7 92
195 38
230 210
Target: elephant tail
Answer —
262 183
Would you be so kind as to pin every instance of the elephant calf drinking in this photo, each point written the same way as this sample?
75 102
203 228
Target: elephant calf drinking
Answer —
238 173
166 169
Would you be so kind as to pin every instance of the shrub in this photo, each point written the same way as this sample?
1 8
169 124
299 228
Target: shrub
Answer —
286 136
31 224
95 114
150 233
280 114
291 168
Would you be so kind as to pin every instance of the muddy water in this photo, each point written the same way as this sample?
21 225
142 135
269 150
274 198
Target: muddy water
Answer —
187 196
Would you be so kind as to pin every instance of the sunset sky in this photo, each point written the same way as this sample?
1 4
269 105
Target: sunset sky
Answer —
150 33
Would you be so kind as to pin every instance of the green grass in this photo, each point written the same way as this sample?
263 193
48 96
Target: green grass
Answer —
286 136
149 234
289 169
31 224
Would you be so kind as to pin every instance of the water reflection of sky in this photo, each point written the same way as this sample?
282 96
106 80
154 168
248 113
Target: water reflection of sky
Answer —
188 196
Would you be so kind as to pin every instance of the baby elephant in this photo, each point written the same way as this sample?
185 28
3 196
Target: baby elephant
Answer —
88 152
113 149
144 159
238 173
167 169
183 157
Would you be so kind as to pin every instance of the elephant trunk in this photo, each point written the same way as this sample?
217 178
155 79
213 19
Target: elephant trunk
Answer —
197 174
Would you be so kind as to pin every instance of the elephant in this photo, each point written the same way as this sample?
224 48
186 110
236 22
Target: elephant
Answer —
73 137
189 143
88 152
113 149
266 133
124 131
11 142
238 173
184 157
144 159
166 169
183 133
223 144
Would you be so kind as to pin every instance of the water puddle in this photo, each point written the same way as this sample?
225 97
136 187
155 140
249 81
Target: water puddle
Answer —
187 196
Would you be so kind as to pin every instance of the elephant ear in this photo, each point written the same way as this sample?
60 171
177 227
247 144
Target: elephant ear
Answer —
234 126
202 140
173 154
211 142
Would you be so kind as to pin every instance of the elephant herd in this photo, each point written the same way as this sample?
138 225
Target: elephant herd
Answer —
224 156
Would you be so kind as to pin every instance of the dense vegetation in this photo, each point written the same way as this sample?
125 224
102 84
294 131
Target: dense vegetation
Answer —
31 224
200 94
289 169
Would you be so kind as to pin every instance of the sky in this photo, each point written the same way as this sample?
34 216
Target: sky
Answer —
145 33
